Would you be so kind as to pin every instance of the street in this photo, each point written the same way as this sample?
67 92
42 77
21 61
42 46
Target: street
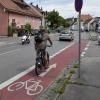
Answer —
17 62
67 68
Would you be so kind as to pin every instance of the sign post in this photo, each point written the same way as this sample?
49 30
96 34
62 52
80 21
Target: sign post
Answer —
78 7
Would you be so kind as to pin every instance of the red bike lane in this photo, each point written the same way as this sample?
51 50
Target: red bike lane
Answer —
30 86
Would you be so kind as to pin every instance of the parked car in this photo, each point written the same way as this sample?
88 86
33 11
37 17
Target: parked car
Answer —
66 35
98 30
98 40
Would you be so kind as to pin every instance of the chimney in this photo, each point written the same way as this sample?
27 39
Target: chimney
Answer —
41 8
31 3
37 6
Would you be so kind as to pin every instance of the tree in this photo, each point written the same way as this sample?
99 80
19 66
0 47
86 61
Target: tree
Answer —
57 21
28 27
53 18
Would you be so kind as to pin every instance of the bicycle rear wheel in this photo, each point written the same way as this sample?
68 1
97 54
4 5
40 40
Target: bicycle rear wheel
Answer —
37 70
38 67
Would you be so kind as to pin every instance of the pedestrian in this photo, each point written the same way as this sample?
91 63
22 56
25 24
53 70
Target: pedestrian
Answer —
96 27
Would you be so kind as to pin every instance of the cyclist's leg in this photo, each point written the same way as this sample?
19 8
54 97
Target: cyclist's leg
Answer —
45 58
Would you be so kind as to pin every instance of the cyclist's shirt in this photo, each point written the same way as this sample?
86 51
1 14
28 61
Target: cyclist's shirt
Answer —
43 44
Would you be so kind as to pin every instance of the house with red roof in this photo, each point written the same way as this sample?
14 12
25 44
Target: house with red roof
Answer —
19 12
85 19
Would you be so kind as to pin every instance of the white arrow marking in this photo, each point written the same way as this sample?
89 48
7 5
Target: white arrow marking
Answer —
47 70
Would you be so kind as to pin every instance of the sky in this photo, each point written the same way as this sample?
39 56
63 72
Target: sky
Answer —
66 7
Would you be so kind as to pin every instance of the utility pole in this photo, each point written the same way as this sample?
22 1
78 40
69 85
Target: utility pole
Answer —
78 7
79 51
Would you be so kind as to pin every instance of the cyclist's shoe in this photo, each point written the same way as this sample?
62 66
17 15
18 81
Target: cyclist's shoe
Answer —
46 67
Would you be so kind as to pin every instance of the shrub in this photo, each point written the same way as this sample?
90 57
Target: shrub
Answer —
28 27
10 33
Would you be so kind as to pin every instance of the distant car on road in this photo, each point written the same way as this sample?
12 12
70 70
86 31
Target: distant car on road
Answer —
66 35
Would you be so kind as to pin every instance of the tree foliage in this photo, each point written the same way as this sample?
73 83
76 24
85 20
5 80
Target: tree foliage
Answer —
28 27
56 20
53 17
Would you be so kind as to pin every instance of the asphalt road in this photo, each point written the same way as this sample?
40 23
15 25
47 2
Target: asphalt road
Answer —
15 58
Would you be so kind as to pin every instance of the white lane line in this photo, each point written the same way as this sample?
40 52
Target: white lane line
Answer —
9 52
2 43
62 50
86 48
47 70
11 43
83 53
5 43
13 79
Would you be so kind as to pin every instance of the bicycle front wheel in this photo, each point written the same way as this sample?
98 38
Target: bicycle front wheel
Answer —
38 67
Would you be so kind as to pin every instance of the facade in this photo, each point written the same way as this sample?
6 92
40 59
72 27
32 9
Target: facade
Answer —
19 12
3 22
85 19
93 22
40 11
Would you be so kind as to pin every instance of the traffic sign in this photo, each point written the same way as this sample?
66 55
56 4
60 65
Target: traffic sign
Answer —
78 5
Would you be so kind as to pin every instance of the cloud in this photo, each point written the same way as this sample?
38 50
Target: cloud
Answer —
66 7
91 7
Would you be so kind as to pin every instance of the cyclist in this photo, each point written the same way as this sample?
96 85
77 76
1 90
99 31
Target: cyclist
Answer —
42 45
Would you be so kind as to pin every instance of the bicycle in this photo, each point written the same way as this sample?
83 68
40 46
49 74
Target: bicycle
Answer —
41 62
33 89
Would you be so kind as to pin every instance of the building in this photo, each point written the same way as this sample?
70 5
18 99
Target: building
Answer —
19 12
93 22
39 11
85 19
44 13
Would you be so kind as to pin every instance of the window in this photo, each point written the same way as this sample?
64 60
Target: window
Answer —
13 20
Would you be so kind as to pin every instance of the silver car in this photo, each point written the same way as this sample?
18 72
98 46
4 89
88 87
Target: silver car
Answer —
98 40
66 35
98 30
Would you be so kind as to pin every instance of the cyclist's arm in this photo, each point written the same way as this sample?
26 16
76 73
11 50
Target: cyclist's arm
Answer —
50 41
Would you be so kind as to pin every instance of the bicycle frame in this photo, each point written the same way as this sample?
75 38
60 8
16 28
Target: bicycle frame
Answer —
41 62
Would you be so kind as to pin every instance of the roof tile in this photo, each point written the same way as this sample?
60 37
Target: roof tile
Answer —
13 7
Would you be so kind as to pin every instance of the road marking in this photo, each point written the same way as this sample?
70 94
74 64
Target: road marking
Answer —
33 89
2 43
13 79
12 43
9 52
86 48
5 43
47 70
82 54
62 50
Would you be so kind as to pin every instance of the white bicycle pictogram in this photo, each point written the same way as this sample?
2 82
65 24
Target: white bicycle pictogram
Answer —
33 89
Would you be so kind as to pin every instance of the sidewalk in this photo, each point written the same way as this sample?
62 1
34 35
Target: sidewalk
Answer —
88 86
89 89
